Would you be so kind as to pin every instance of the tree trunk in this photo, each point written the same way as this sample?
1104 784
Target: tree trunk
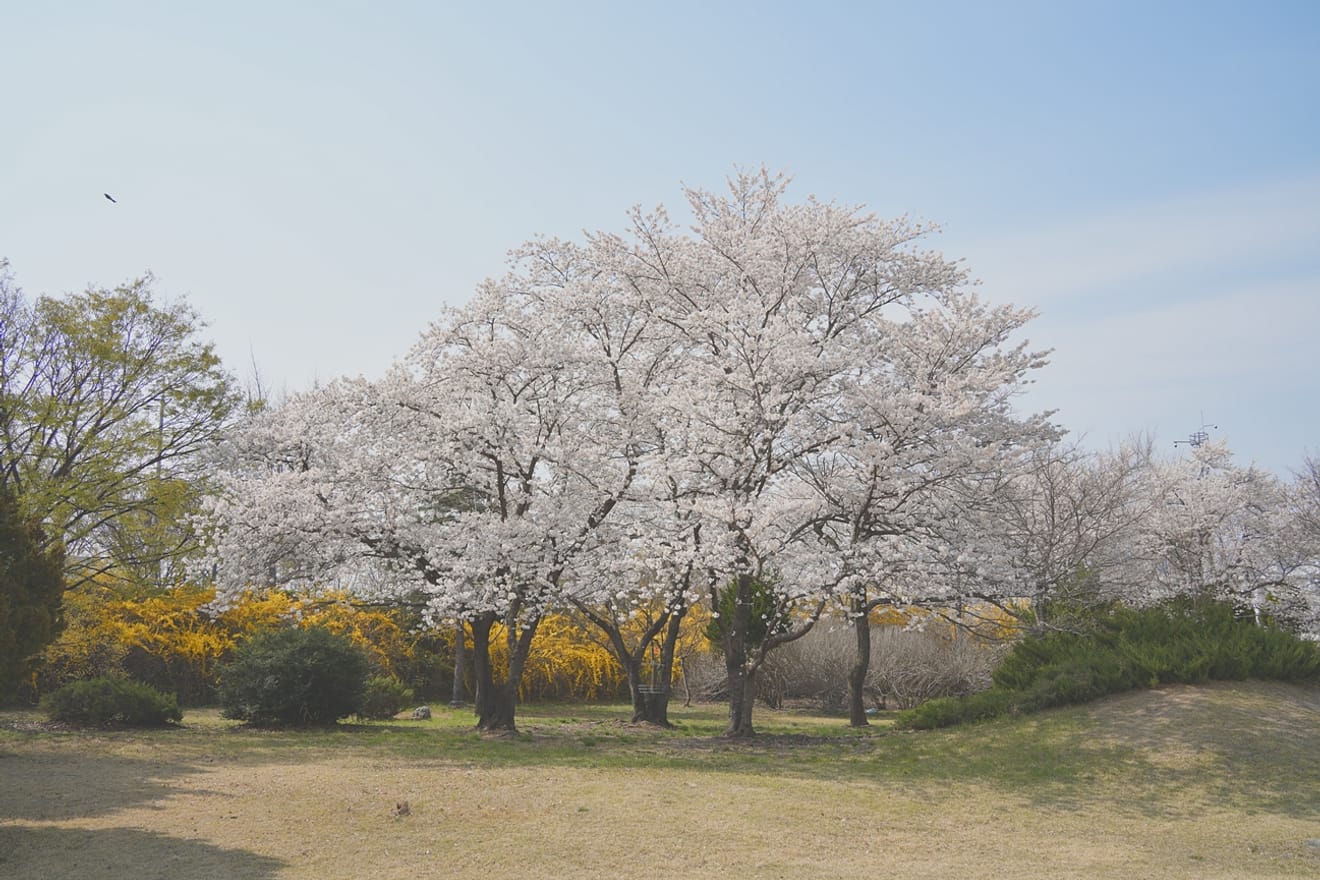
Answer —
494 702
632 669
460 661
658 705
861 664
495 708
742 679
651 705
651 699
650 695
742 697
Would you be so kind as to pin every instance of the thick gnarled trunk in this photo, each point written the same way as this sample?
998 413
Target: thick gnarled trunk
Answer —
651 700
648 689
651 705
495 701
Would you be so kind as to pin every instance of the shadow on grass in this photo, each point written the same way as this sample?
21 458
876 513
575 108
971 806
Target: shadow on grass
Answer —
1247 745
1245 742
67 777
123 854
55 785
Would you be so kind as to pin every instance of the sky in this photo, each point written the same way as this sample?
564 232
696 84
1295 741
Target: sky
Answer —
320 180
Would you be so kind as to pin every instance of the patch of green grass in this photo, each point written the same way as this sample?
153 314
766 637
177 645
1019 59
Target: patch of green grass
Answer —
1226 775
1056 757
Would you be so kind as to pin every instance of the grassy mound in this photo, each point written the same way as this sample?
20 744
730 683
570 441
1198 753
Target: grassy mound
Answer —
1180 642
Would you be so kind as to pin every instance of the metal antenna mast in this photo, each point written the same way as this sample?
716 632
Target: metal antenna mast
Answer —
1197 438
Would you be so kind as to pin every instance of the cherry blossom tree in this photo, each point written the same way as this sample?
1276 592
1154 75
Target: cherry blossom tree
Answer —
469 479
907 498
636 587
786 396
1075 522
1304 501
1231 532
814 337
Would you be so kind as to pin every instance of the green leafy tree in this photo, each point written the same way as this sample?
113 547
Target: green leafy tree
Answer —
106 397
31 584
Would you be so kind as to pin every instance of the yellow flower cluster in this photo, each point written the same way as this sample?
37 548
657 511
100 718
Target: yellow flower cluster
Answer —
171 640
174 640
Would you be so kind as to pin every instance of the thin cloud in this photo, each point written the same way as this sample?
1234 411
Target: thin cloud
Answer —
1259 225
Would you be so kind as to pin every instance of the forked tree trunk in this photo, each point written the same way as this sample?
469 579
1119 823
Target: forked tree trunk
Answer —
496 701
651 705
651 698
649 694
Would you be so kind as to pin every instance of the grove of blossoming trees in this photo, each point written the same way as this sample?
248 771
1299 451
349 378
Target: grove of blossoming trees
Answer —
788 394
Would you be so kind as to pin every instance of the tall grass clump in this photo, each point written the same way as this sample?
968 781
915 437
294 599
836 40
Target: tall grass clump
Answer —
1182 641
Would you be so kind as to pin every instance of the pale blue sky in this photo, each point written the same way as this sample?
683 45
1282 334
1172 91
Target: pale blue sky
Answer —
319 179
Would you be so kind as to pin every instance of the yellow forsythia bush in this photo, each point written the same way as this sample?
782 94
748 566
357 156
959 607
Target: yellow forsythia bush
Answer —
569 661
160 638
170 640
565 663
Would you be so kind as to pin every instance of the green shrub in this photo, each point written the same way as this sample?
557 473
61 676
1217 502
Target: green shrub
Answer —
293 677
111 700
384 698
1079 680
948 711
1284 658
1183 641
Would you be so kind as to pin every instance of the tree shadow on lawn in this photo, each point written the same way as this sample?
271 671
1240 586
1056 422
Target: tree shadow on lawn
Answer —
123 854
1254 743
50 785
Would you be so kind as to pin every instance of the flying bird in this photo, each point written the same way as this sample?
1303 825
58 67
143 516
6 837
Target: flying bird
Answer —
110 197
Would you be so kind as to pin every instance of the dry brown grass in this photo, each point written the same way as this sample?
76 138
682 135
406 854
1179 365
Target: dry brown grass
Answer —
1182 783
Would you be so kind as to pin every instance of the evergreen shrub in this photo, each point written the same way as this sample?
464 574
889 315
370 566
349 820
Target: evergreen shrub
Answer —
1182 641
385 697
292 677
111 700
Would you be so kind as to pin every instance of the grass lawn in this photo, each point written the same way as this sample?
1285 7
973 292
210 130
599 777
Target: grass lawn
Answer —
1219 781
